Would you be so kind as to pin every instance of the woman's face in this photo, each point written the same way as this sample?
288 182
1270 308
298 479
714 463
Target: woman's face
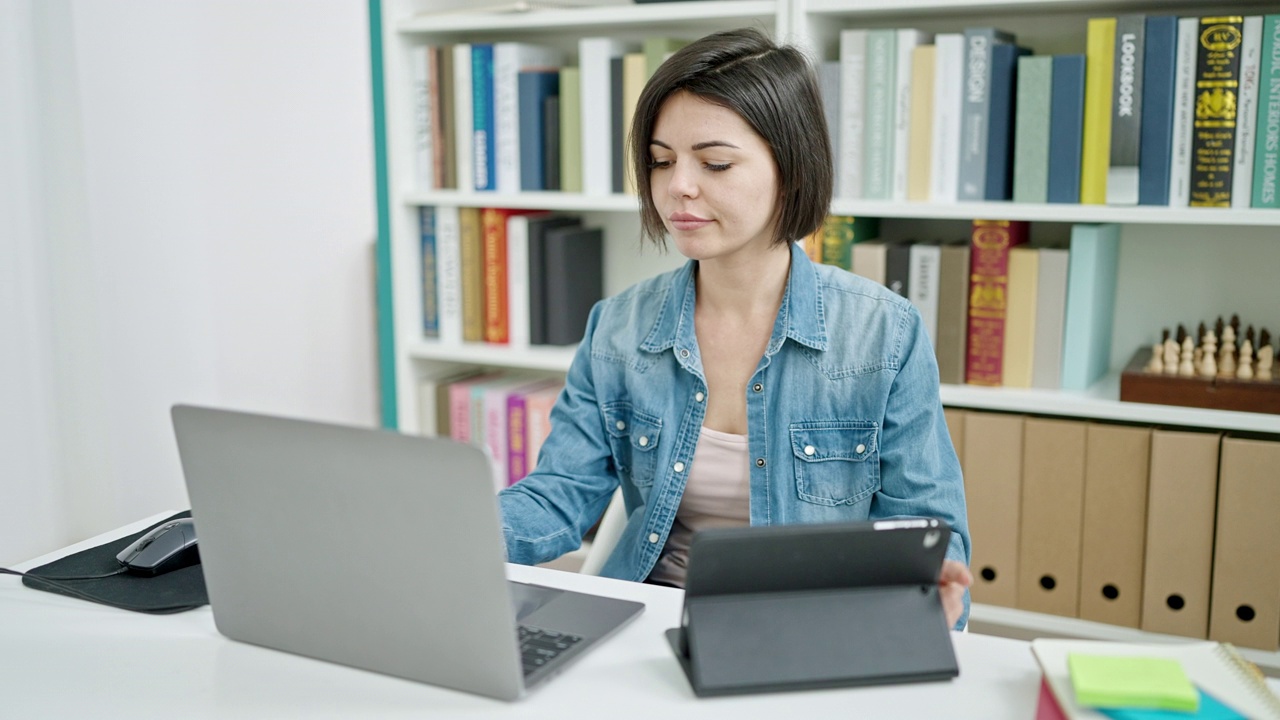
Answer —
713 180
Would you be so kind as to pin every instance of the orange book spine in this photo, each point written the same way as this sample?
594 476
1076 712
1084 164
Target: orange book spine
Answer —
988 296
493 224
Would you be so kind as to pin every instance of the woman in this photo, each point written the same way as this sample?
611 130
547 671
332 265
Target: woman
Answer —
751 385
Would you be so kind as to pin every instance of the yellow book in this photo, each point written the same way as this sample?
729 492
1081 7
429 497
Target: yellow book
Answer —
634 76
1099 71
1020 317
920 151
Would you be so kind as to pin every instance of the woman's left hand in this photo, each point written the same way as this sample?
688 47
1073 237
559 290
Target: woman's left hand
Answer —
954 580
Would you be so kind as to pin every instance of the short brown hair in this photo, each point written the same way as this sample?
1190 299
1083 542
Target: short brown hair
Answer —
774 89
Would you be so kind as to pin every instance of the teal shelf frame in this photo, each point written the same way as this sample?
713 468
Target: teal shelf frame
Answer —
386 317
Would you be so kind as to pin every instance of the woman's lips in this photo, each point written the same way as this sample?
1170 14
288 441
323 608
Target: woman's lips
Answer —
687 221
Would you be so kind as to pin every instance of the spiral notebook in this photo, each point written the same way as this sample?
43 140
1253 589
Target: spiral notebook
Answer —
1215 668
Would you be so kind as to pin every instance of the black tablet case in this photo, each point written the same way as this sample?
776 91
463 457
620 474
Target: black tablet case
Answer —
161 594
816 606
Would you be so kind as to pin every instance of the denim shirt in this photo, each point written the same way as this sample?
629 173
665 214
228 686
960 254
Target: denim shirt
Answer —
844 421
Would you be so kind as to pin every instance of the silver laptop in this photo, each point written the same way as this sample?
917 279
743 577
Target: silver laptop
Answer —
375 550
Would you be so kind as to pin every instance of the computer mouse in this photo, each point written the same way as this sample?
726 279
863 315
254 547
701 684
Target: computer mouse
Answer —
167 547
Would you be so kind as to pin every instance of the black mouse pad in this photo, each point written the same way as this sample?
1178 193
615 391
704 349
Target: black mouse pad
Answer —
180 590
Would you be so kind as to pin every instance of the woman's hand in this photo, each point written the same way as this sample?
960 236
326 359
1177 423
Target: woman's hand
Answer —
954 580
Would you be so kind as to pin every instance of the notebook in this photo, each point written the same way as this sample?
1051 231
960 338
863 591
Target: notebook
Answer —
372 549
1214 668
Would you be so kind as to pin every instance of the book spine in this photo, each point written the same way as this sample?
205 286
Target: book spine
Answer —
1090 308
551 141
1247 112
617 134
448 116
1099 68
1000 108
517 437
988 297
634 78
923 285
535 87
575 281
494 236
517 273
947 99
463 118
953 312
1126 110
976 106
1031 130
472 261
1184 95
853 78
907 42
430 274
594 56
571 130
1018 354
837 241
460 412
1159 67
1267 154
483 116
423 153
829 85
918 152
493 403
897 267
877 155
436 103
1217 96
506 113
449 266
1066 128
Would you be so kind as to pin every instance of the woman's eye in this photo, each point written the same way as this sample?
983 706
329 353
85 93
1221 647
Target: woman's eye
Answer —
717 168
659 164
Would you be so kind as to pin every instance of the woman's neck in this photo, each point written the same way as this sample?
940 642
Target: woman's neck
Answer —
744 287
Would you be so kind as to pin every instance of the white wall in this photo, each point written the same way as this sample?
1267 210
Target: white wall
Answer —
202 220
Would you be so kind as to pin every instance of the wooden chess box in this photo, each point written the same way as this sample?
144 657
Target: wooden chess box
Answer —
1138 385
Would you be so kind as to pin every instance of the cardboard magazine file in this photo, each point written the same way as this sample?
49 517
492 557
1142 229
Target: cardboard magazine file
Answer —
1053 460
814 606
992 488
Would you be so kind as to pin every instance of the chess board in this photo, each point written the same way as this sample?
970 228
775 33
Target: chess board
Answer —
1139 385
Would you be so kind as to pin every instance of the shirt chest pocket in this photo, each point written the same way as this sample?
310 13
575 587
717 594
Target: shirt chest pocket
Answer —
836 463
633 438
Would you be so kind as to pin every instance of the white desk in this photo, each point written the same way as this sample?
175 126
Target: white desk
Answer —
66 658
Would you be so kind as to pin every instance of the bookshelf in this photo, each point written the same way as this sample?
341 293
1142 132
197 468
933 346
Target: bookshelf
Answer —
1177 264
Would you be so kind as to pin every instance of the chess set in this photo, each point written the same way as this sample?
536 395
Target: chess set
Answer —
1226 370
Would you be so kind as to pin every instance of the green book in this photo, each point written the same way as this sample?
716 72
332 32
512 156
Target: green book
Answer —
1110 681
1266 151
882 83
657 50
570 130
841 232
1031 130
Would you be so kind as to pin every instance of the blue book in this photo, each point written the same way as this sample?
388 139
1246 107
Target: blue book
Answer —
1211 708
1155 154
430 273
974 108
1091 298
534 87
1066 128
483 122
1004 78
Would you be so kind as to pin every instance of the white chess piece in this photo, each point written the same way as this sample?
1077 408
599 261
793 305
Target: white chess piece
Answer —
1209 360
1227 356
1170 357
1245 370
1156 363
1266 354
1186 368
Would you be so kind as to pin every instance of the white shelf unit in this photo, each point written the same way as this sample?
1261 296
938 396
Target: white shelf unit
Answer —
1177 265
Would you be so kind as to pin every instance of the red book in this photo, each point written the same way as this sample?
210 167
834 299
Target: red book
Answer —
1047 706
989 248
493 233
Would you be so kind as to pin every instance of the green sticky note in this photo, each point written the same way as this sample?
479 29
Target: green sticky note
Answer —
1112 681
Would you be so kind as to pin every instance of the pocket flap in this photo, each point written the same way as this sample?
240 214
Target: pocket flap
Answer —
848 440
621 420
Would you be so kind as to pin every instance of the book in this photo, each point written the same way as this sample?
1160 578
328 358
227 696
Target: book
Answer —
574 259
460 405
657 50
594 57
878 145
1096 156
1247 112
1267 146
482 117
897 267
904 104
634 77
1210 708
1213 130
571 130
1046 705
534 87
519 273
953 311
1126 109
509 58
976 108
519 461
446 147
1159 75
1031 130
829 86
1051 311
463 118
538 406
869 260
1215 668
618 129
537 273
1066 129
449 269
944 173
853 78
1184 93
429 284
1020 317
1091 292
918 151
990 243
839 235
495 257
471 265
925 260
1109 681
1000 109
551 141
423 150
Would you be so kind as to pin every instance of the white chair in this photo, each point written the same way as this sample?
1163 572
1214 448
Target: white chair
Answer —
611 526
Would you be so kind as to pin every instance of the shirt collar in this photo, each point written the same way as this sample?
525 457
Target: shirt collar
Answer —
800 317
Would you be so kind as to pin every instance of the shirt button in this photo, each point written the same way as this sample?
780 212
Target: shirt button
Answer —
644 441
678 467
757 387
808 450
653 537
699 397
684 353
621 425
860 449
759 462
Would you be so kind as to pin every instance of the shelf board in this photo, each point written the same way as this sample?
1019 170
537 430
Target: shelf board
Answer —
576 202
854 8
589 17
537 358
1026 625
1216 217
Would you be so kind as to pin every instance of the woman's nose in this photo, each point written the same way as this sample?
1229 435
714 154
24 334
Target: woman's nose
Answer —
682 181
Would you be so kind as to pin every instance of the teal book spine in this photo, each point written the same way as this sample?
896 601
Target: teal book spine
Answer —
1091 295
1267 147
882 85
1031 130
430 273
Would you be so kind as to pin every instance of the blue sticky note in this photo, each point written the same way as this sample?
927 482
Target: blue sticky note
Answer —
1210 709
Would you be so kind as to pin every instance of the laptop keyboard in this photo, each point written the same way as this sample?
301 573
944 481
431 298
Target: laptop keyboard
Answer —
539 647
